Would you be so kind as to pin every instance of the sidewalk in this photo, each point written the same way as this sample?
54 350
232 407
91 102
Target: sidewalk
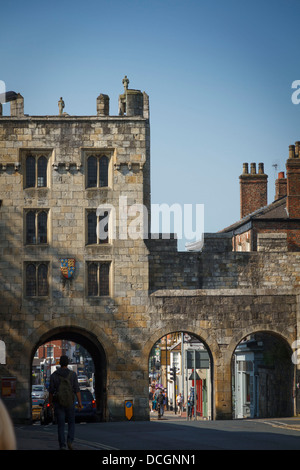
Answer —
34 438
168 415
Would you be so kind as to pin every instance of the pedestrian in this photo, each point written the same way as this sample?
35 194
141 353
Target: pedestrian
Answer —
160 403
179 403
166 401
154 403
62 391
190 405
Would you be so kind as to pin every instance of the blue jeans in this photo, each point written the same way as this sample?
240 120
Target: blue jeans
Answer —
64 414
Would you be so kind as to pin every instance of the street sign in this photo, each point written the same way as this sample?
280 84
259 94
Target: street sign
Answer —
193 375
128 409
201 356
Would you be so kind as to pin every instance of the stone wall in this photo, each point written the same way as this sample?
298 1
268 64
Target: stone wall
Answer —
219 295
67 309
218 267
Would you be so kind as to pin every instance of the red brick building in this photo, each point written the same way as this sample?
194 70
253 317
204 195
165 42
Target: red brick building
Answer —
282 216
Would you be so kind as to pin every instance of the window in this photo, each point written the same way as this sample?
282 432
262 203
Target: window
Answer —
97 228
36 171
50 350
98 279
36 227
97 171
37 280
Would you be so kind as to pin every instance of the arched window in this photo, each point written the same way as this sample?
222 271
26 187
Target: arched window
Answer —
36 227
92 172
30 227
104 279
37 280
42 280
36 171
42 172
92 279
97 171
30 172
92 225
42 227
103 172
98 279
97 228
30 280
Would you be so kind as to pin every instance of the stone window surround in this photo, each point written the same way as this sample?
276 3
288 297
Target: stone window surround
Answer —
36 153
99 242
98 153
36 211
110 278
36 264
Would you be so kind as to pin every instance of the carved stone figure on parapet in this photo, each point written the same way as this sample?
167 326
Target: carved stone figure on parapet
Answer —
61 105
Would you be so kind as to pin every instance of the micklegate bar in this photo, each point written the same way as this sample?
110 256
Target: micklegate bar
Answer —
62 278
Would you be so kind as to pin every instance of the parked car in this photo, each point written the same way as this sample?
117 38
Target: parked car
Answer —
39 391
83 381
88 410
41 411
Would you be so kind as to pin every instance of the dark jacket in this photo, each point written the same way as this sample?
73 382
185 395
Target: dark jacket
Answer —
55 379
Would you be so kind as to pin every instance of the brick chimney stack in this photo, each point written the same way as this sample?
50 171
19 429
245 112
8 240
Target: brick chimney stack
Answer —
253 189
293 181
280 186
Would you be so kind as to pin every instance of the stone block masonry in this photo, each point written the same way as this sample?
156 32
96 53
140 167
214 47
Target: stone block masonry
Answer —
125 294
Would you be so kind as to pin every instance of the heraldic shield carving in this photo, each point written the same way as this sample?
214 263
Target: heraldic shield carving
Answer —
67 267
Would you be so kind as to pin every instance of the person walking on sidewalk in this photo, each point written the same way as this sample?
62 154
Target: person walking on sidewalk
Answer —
160 404
179 403
62 391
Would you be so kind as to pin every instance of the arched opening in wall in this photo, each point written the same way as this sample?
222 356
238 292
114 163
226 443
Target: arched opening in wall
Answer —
262 377
86 358
180 376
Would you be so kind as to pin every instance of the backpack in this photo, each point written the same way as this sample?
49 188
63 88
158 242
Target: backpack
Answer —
65 394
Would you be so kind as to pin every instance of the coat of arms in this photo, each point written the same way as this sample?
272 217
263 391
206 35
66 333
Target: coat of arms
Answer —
67 267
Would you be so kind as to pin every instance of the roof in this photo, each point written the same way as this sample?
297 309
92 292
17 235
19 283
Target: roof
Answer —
275 210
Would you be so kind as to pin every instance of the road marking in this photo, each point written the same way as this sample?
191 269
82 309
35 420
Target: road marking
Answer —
279 424
98 445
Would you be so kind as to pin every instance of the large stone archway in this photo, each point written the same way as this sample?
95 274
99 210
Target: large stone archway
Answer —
83 332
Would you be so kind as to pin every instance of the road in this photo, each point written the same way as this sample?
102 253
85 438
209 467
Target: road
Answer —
172 434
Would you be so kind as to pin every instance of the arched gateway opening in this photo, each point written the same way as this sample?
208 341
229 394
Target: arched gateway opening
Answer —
262 377
180 366
95 353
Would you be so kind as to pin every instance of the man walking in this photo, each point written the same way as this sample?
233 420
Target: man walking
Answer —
63 388
160 403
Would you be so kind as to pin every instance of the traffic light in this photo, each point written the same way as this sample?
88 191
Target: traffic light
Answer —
173 374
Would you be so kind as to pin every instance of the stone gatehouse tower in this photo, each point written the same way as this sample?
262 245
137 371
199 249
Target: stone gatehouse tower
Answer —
114 292
56 172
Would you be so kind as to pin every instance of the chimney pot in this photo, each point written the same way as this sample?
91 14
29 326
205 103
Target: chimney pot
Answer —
245 168
292 151
253 189
261 168
293 182
280 186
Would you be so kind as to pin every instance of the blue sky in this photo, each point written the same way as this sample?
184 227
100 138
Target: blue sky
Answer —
218 74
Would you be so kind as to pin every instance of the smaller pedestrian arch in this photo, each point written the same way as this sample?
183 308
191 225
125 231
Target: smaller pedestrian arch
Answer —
263 376
181 366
